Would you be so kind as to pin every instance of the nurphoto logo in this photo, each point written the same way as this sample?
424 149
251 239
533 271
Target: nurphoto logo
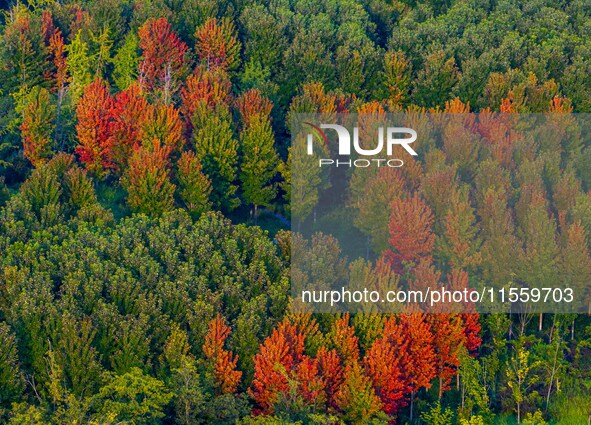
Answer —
387 136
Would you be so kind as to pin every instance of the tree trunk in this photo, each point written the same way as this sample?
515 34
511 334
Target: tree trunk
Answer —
541 321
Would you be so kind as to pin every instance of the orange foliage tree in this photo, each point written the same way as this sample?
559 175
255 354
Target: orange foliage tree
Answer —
281 363
410 232
95 112
222 362
164 59
217 44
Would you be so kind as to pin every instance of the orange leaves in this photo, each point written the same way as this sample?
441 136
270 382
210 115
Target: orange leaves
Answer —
252 103
276 363
130 112
164 123
223 362
383 366
449 337
410 231
164 60
406 355
331 372
345 341
217 45
402 360
95 112
209 87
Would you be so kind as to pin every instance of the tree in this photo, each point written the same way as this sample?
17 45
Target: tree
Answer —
356 397
419 358
147 181
344 340
24 54
434 83
575 263
95 112
163 61
126 62
330 370
79 63
460 246
380 190
130 112
163 123
222 362
437 415
383 365
11 379
205 88
216 149
410 232
37 127
448 340
278 365
259 158
217 44
521 376
194 186
395 78
132 396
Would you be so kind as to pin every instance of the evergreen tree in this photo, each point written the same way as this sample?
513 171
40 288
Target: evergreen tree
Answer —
37 126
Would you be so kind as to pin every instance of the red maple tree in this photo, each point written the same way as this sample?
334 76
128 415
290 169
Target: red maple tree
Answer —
217 45
164 58
410 232
226 376
95 112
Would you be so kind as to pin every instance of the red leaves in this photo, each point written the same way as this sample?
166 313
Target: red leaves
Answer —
217 45
95 112
383 366
449 338
224 362
210 87
276 363
164 59
402 360
130 112
252 103
409 353
410 231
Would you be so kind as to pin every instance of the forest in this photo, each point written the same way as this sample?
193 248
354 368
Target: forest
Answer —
146 176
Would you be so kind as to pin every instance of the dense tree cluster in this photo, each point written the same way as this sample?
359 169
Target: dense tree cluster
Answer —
143 142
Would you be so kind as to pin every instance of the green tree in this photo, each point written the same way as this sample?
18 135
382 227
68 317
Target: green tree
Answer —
148 185
11 381
126 61
216 149
194 186
79 64
435 81
259 162
134 397
521 377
